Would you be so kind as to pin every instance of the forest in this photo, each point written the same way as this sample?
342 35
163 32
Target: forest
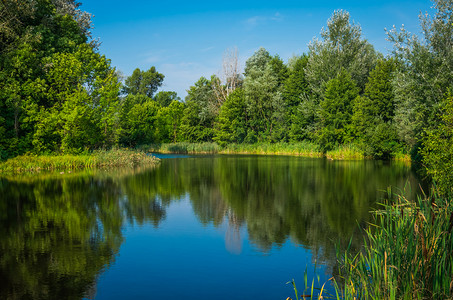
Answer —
60 95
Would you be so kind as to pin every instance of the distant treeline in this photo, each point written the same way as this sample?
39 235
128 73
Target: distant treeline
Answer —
60 95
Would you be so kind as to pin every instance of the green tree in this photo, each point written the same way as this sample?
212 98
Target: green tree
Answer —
263 98
202 108
437 148
372 121
165 98
336 110
426 74
341 48
231 124
141 124
296 91
143 82
169 122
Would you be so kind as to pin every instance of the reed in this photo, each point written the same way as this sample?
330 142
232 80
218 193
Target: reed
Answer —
305 149
101 158
407 253
346 152
182 148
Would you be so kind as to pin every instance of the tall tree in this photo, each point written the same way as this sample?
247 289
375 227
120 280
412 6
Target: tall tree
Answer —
231 124
336 110
143 82
426 74
372 121
341 48
264 101
437 148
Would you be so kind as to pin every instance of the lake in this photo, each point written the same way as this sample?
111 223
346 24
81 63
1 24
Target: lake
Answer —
193 227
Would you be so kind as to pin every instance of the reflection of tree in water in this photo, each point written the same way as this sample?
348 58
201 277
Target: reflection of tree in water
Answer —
233 242
57 233
314 202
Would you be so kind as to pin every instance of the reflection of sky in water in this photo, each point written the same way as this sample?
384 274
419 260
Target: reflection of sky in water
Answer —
184 259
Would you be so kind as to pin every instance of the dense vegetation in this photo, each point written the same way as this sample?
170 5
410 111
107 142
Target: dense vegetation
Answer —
60 95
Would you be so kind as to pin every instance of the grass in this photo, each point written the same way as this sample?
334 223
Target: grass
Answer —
346 152
111 158
305 149
407 253
183 148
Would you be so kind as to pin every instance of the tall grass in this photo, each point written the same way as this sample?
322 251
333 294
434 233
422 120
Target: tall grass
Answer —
305 149
407 253
111 158
183 148
346 152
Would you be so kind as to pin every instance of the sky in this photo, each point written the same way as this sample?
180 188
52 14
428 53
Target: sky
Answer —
186 40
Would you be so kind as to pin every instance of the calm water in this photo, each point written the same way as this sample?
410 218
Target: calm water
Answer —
219 227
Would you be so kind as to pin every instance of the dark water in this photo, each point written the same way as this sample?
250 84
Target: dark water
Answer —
222 227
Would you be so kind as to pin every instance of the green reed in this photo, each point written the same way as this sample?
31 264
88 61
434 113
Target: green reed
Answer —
346 152
183 148
407 253
101 158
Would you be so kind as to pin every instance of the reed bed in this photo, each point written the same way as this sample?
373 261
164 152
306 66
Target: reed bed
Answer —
305 149
111 158
346 152
407 253
183 148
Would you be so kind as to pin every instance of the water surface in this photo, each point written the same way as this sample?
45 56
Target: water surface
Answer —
194 227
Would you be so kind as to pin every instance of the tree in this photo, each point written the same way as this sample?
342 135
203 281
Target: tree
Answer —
230 79
336 110
263 98
372 121
426 74
165 98
143 82
202 108
231 124
341 48
295 91
141 126
437 148
169 122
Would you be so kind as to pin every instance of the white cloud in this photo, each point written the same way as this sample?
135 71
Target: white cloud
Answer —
254 21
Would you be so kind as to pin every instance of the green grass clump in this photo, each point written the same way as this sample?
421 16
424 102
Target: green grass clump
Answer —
346 152
183 148
305 149
111 158
407 254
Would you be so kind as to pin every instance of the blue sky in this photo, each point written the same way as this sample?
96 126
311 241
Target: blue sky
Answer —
185 40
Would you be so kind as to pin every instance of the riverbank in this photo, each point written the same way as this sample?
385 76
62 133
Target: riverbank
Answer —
304 149
96 159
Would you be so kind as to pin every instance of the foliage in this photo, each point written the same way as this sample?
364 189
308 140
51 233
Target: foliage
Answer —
426 74
231 123
342 48
143 82
336 111
438 149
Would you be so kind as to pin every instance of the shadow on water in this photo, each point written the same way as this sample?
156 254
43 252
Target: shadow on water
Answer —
58 232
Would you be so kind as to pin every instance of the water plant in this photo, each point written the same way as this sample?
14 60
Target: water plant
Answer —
407 253
100 158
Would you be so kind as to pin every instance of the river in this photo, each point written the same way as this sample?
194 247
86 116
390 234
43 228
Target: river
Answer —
193 227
